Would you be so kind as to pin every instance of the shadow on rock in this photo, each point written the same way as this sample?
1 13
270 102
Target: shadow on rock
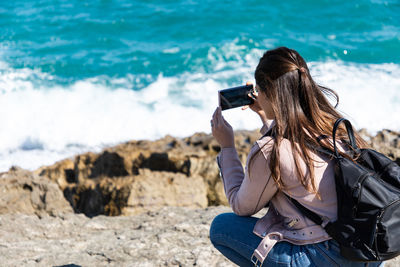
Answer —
162 162
109 164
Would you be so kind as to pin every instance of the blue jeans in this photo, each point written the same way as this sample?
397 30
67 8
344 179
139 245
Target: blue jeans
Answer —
233 236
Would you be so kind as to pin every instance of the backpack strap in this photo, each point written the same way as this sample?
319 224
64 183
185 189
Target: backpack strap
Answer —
268 133
324 221
350 133
324 151
320 220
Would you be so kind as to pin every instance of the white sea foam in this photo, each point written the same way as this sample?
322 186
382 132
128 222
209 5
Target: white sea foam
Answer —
173 50
369 93
43 123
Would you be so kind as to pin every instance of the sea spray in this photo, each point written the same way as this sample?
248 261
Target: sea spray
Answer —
44 124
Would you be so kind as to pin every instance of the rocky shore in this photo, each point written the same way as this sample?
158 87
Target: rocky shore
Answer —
167 190
145 175
172 236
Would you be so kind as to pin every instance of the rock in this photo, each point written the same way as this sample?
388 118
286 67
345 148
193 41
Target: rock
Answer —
388 143
25 192
163 187
100 196
365 134
168 237
171 236
145 175
152 190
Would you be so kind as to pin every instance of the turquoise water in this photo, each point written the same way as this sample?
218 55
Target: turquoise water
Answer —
80 75
79 39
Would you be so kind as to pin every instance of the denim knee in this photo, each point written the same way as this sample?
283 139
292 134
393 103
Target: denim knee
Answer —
218 225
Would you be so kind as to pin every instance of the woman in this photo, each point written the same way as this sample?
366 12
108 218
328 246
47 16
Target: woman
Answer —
296 116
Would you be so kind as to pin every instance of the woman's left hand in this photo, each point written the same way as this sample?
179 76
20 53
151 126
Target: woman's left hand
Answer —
256 106
222 130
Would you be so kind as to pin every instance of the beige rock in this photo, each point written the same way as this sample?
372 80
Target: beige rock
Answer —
152 190
145 175
388 143
25 192
61 172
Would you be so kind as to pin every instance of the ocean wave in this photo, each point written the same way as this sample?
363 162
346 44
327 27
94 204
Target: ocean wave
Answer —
44 121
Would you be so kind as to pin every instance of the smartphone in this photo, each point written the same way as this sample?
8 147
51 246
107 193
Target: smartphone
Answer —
235 97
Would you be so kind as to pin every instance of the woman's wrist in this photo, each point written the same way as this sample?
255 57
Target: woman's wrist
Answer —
228 145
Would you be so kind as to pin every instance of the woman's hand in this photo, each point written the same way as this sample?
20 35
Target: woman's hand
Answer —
222 130
256 107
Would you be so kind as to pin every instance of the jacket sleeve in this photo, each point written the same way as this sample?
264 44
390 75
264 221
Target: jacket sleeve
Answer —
250 190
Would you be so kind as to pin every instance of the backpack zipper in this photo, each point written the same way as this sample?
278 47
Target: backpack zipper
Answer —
382 211
359 185
378 221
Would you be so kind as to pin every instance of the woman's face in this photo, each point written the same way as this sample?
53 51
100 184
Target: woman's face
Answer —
265 104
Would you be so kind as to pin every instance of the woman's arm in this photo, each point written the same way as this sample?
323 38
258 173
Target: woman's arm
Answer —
248 191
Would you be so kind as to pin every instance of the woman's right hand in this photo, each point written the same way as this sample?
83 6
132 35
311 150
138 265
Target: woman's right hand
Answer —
222 130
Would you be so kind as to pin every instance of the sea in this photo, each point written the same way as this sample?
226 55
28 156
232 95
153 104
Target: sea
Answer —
78 75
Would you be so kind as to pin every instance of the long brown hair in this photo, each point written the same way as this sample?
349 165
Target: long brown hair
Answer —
302 111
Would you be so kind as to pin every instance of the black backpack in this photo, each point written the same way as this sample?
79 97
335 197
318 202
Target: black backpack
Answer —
368 201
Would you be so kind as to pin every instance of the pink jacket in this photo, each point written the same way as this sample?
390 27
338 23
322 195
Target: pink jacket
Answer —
251 190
